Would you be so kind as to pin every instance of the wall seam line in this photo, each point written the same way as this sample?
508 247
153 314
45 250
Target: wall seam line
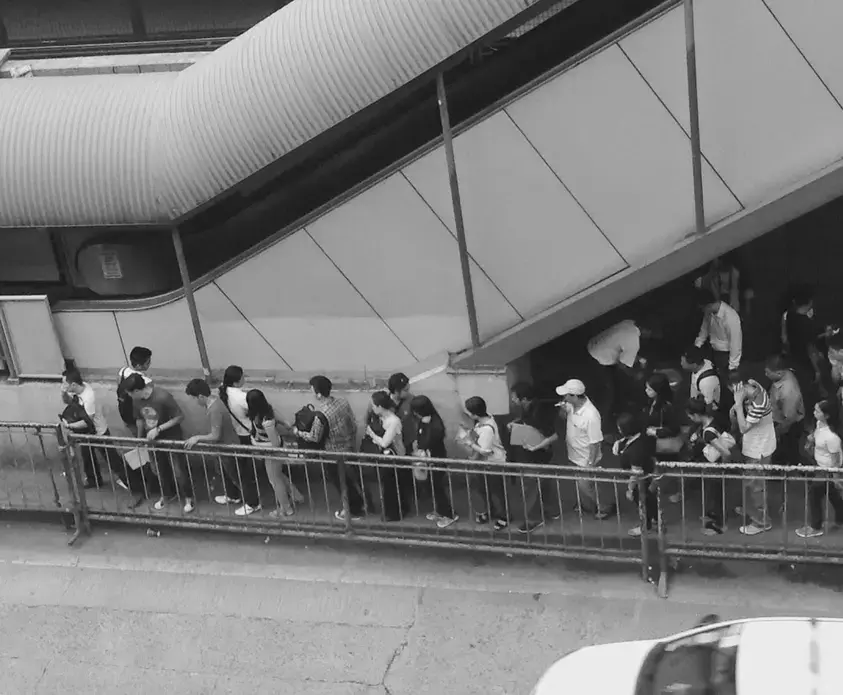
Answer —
454 237
362 296
802 54
568 190
253 327
681 127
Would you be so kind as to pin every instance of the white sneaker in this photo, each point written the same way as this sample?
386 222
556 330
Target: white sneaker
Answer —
754 529
676 497
225 499
120 483
245 510
189 506
433 516
160 504
445 521
634 532
808 532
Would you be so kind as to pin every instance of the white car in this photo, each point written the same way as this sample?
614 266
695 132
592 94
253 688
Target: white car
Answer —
764 656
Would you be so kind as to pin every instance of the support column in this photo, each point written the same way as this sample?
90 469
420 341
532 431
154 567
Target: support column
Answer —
191 303
465 265
693 103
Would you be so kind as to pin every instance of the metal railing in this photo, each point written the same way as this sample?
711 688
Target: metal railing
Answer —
687 510
37 475
786 514
399 500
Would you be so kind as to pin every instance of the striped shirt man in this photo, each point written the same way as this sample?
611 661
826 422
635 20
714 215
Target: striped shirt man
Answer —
759 441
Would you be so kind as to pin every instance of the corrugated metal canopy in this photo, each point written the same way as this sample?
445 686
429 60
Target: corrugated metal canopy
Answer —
137 149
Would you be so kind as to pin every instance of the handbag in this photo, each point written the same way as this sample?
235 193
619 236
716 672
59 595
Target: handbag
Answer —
668 445
75 412
420 468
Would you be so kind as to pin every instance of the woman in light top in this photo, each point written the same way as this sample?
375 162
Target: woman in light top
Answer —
234 398
264 433
828 455
488 492
396 481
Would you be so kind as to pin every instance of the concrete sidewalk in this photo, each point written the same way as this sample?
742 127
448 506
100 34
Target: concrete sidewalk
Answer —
211 614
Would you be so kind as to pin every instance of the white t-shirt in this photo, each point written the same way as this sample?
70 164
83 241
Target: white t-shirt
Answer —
88 399
583 430
759 441
239 410
826 447
488 437
618 344
708 387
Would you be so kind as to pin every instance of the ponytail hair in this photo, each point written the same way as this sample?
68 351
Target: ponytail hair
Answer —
232 375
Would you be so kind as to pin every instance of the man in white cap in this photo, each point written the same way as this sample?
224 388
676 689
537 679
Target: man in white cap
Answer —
584 439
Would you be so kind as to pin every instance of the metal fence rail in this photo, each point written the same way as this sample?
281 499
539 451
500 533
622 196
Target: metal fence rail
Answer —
787 500
399 500
36 475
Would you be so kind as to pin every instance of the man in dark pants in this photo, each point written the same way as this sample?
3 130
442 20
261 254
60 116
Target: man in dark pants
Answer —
616 351
540 495
788 410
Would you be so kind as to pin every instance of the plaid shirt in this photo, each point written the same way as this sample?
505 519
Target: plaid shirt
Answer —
342 426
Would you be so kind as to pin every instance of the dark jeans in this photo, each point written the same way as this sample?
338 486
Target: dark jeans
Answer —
818 490
488 495
239 477
173 473
539 495
440 483
618 392
357 503
720 360
651 502
714 507
787 450
397 492
115 463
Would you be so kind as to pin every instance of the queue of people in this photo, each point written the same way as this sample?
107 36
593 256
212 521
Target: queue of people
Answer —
728 417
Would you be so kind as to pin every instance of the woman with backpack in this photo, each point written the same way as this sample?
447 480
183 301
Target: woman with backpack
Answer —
484 444
711 443
264 433
396 482
429 442
233 398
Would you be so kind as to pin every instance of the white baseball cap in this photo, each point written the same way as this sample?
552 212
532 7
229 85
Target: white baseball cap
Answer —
572 387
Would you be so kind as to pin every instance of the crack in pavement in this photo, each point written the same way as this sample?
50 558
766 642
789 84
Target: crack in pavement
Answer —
405 641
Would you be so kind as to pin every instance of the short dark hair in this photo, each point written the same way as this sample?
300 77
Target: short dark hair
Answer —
630 424
705 297
73 376
776 363
694 355
423 407
523 391
397 382
322 385
134 382
476 406
139 356
197 387
382 399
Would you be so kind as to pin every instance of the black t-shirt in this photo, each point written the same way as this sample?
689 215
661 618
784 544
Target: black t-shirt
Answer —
637 453
802 333
430 436
540 416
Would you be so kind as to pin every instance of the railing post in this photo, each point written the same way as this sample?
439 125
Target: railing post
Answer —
191 303
459 222
644 484
662 535
75 485
694 107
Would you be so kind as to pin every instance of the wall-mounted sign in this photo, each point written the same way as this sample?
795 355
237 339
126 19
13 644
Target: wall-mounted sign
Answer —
110 262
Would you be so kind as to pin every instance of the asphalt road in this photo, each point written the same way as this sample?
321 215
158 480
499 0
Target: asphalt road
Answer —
209 615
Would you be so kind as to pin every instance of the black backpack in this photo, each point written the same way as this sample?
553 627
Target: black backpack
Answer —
304 420
727 398
75 412
125 405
